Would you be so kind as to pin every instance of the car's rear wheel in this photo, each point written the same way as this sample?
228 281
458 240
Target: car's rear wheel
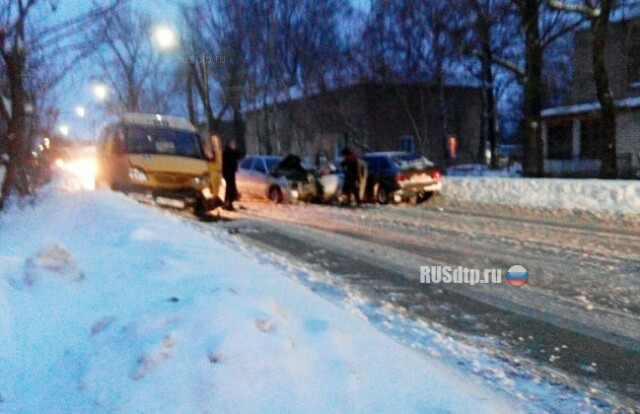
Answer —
382 196
426 196
275 194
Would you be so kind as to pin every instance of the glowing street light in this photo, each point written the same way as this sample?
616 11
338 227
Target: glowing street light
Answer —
100 91
81 111
165 37
64 130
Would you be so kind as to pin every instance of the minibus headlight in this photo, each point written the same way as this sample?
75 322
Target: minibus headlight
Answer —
136 174
202 180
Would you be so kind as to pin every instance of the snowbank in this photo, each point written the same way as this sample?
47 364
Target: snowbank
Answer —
107 306
586 195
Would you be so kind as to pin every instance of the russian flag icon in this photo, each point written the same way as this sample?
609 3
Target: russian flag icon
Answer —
517 276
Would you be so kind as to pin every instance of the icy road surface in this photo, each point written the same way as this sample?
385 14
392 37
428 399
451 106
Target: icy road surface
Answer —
579 314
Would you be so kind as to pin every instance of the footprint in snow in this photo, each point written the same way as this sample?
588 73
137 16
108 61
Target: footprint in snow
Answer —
215 357
150 360
265 325
101 324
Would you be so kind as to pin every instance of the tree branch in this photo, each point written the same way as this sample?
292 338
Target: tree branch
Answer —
590 12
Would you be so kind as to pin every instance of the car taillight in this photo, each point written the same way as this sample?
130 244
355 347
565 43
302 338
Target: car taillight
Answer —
400 178
436 175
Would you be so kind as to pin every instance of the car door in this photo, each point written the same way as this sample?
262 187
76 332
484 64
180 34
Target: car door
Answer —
373 177
243 176
387 173
259 178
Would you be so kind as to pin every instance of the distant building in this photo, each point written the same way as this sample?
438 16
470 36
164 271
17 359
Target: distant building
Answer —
571 133
372 117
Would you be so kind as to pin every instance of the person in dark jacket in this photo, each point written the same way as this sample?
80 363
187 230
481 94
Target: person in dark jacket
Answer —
351 176
230 158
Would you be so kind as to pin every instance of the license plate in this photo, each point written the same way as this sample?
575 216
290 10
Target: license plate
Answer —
420 178
170 202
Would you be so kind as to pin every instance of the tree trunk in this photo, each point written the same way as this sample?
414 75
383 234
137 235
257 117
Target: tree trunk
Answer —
609 167
490 103
202 86
491 132
238 129
533 151
191 105
18 145
443 109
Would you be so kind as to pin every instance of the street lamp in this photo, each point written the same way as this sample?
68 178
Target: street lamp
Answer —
165 37
64 130
81 111
100 91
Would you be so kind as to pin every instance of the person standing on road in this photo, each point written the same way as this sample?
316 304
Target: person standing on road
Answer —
230 158
351 176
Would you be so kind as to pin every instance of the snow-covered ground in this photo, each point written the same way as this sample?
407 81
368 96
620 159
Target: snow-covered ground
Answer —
108 306
615 196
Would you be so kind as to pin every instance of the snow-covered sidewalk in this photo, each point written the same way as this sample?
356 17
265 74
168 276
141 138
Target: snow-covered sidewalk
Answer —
615 197
109 306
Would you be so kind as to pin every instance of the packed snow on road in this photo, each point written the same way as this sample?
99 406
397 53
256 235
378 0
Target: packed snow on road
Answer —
107 306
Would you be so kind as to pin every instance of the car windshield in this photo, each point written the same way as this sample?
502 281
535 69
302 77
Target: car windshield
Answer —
411 161
272 162
165 141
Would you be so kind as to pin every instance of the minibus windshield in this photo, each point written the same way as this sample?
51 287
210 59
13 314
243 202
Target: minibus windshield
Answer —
163 141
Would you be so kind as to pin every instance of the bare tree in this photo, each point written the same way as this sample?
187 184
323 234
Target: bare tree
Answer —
493 34
598 13
542 29
413 42
21 40
130 63
275 51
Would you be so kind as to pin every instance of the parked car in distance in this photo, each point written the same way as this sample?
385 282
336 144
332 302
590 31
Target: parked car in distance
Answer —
279 179
400 176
